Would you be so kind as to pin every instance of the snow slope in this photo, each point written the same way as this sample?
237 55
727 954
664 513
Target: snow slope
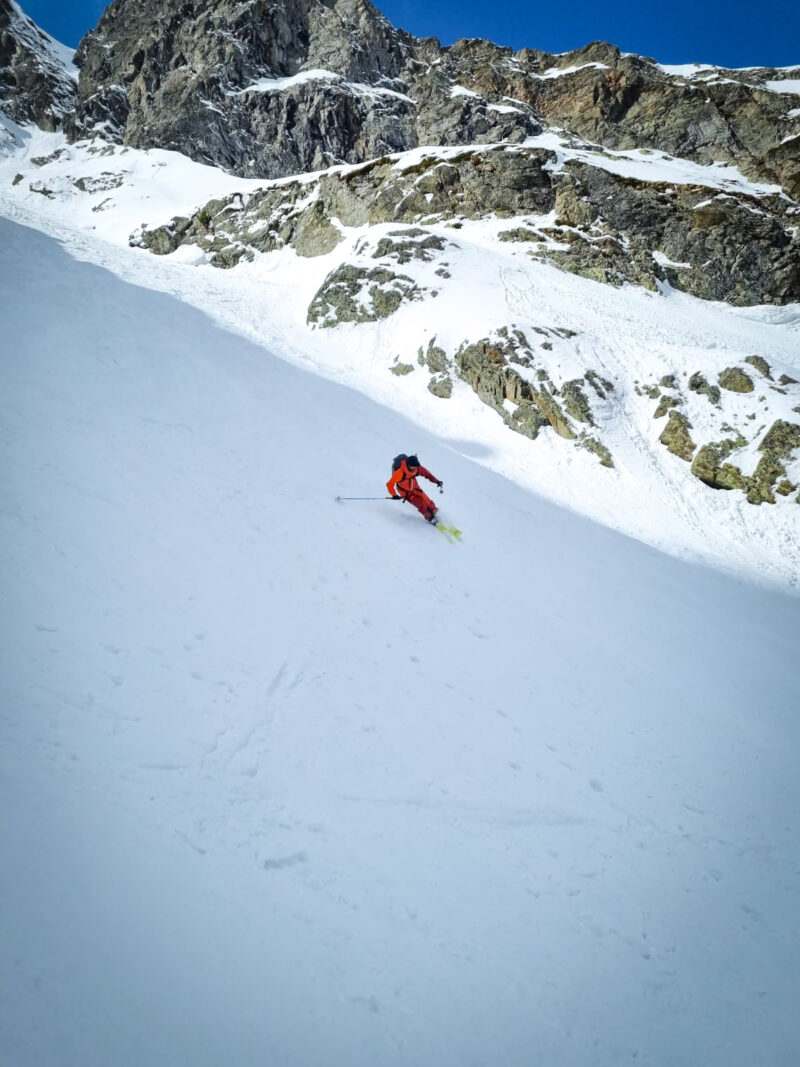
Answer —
93 196
293 782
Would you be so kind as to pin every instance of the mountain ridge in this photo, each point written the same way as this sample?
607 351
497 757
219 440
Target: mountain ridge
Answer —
156 75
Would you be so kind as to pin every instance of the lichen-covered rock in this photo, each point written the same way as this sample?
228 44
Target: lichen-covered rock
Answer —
736 381
521 234
404 246
760 364
528 400
441 385
554 413
591 444
602 386
676 436
315 234
484 365
528 419
710 467
761 485
357 294
434 358
575 402
637 217
699 228
607 258
698 384
665 404
781 439
769 477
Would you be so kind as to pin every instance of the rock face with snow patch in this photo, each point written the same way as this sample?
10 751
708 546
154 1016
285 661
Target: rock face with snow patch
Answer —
270 90
373 287
266 91
302 86
716 245
749 449
35 84
508 374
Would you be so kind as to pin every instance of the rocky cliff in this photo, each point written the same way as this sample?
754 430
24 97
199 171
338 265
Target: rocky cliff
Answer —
267 90
574 213
37 80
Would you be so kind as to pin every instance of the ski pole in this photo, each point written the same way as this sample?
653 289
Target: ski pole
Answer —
365 498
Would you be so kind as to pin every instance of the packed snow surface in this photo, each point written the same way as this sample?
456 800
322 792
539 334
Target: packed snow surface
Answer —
273 85
295 781
786 85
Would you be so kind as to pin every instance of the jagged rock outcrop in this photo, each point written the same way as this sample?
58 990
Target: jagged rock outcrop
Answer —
777 447
614 229
715 245
735 380
677 437
271 90
298 85
745 457
626 101
372 287
511 377
35 84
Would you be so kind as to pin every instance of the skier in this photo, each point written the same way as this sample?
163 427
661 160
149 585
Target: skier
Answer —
405 470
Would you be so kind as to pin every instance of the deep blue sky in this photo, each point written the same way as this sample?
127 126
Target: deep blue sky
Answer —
725 32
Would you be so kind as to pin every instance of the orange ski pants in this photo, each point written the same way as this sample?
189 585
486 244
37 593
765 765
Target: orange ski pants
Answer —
422 502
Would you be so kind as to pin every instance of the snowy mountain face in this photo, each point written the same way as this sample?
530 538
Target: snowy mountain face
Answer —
37 78
266 91
510 262
292 780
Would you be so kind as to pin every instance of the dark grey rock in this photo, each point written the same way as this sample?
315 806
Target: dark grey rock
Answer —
34 84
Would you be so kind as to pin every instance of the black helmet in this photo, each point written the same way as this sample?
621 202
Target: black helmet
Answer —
412 461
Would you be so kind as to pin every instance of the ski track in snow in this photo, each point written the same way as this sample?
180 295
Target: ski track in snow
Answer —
294 781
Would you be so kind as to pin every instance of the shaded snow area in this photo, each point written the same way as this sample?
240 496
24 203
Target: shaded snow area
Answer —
290 781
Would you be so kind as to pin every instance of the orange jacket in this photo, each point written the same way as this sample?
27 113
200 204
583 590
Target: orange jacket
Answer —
406 482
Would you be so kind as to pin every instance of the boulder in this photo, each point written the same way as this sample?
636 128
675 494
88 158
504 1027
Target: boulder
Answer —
736 381
676 436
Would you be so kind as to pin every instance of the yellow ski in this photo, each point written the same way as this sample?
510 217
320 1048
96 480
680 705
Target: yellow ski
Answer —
452 533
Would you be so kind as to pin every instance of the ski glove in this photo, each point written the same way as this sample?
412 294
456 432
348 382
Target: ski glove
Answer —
441 486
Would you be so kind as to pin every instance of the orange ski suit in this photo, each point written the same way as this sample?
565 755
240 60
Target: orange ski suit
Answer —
404 480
